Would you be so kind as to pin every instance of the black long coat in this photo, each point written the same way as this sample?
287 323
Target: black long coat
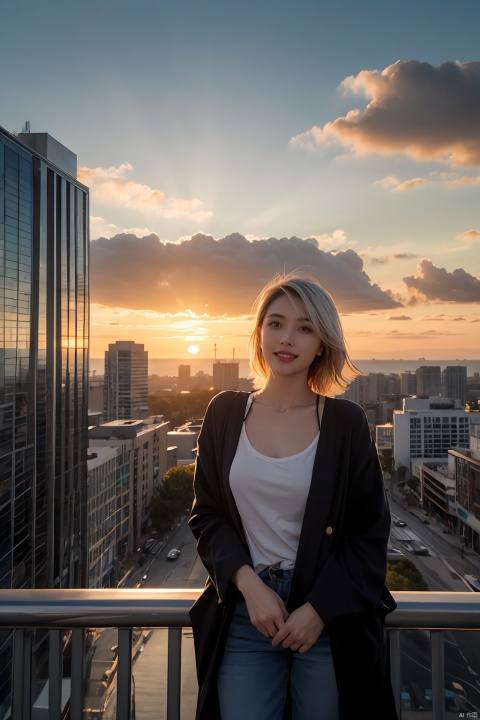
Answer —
341 560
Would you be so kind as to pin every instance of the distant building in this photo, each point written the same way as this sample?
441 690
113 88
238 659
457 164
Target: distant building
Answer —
429 380
427 428
95 395
126 382
108 517
225 375
454 383
408 383
465 467
145 443
185 440
372 388
184 377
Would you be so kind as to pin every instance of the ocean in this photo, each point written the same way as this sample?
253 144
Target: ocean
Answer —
169 366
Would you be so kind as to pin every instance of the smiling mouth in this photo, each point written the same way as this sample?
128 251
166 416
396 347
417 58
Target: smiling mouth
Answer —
285 356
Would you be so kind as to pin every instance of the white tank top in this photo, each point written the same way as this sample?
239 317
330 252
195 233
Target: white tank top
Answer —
271 494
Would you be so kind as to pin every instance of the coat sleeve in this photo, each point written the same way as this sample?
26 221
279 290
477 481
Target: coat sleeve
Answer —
218 543
352 579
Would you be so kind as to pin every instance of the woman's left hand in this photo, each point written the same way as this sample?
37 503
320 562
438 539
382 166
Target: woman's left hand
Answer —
301 630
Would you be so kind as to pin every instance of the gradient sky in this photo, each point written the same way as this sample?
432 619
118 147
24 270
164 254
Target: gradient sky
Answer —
224 142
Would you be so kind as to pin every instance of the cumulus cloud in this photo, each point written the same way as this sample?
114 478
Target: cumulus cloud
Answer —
111 187
400 317
101 227
417 109
221 276
434 283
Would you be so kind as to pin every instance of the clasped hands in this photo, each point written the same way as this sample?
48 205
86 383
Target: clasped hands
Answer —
298 630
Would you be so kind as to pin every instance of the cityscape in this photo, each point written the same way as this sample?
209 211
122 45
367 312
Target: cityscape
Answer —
86 457
159 164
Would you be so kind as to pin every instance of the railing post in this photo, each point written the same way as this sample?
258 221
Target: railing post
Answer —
55 673
396 669
438 675
77 672
124 674
174 673
22 674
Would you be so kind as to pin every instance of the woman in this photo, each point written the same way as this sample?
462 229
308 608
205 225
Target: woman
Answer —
292 522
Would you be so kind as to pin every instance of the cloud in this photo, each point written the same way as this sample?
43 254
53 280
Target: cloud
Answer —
221 276
400 317
433 283
445 318
100 227
392 257
409 185
463 180
337 239
468 237
111 187
417 109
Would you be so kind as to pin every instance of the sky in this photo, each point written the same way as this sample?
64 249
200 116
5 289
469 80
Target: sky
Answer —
224 143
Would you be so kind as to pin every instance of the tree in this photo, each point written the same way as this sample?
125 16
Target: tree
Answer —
181 407
173 496
404 575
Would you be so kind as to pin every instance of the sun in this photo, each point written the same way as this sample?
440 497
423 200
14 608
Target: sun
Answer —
193 349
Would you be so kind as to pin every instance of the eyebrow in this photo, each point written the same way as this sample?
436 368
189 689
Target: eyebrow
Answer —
300 319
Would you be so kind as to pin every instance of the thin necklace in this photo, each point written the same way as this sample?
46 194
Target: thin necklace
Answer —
293 407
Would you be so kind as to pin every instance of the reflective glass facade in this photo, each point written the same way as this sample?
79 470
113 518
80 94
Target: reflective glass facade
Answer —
44 326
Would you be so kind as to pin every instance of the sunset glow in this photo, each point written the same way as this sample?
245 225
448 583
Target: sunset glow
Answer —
227 146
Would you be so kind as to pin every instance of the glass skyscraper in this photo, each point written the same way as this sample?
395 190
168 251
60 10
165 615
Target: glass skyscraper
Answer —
44 328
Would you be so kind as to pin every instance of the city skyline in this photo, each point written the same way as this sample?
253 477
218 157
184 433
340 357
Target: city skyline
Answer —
224 144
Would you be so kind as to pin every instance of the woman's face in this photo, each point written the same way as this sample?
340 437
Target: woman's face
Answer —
289 342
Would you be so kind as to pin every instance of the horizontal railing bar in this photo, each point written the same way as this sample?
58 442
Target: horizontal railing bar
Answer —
141 607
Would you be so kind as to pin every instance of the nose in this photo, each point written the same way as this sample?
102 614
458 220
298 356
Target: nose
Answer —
287 338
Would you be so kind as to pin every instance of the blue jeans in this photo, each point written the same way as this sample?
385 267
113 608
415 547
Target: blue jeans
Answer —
254 676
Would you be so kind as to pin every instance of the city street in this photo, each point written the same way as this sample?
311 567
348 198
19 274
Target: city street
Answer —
150 665
443 570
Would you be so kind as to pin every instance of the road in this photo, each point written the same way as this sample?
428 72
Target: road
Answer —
150 666
443 570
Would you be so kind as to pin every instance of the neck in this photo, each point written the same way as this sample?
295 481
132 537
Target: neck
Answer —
286 393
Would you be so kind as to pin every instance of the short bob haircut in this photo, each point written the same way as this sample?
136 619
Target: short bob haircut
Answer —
327 372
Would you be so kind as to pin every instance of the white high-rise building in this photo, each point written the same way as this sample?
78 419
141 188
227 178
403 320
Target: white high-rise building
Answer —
125 390
427 428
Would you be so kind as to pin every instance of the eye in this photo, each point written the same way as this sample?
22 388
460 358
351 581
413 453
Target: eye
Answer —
305 329
274 324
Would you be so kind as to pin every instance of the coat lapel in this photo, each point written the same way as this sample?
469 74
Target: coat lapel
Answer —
233 428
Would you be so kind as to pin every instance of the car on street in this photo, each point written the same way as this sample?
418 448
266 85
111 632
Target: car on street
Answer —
473 582
173 554
393 554
418 548
398 521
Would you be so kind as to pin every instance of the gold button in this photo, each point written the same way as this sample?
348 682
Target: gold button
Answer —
329 530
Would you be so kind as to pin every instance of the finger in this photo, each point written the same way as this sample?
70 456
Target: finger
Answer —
280 636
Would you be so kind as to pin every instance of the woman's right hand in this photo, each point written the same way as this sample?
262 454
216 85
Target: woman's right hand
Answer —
266 609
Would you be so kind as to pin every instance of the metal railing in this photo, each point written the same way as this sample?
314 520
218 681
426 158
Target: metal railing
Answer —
80 610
